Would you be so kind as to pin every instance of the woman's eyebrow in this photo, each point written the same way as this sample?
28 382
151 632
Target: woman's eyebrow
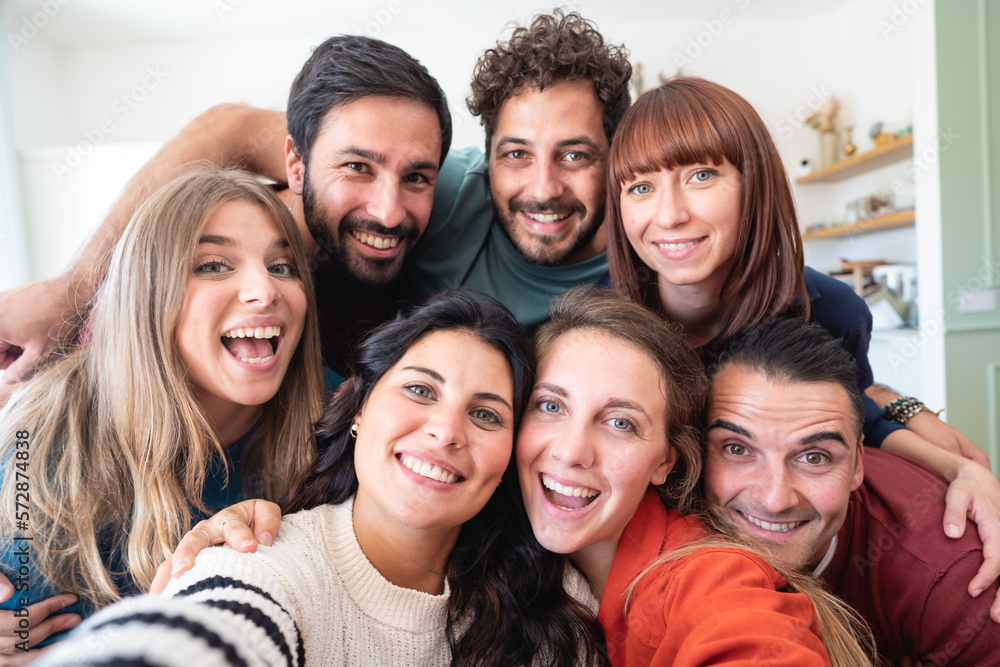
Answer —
214 239
552 388
490 396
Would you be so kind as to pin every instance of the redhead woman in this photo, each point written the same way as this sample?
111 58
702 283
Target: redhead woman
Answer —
406 543
178 407
702 229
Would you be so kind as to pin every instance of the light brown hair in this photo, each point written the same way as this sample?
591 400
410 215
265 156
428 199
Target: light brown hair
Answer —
118 442
681 374
846 637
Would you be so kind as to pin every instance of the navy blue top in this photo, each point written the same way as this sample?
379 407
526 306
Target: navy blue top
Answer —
15 554
835 307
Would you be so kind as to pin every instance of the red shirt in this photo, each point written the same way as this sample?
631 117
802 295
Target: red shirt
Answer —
716 606
897 568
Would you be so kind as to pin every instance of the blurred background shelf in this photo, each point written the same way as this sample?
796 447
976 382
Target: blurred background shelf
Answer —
894 151
888 221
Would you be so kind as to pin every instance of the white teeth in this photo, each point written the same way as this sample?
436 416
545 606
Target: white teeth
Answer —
546 217
676 246
257 361
377 242
428 470
577 491
773 527
254 332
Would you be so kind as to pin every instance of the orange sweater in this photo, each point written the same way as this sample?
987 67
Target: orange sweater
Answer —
718 606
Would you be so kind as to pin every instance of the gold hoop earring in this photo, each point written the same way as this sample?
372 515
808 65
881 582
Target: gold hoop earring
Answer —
354 430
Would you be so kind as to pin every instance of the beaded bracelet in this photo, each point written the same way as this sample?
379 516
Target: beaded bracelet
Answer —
903 408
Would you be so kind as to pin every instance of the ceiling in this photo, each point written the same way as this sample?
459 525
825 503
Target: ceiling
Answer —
82 23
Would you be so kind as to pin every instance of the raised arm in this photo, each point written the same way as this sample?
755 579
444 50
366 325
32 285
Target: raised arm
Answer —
40 316
927 425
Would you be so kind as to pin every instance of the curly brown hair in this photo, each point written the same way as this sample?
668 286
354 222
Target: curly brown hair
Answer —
555 47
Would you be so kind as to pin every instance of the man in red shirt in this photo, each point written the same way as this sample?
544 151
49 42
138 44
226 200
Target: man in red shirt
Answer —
785 464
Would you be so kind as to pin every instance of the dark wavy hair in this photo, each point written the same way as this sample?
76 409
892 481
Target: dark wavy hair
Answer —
507 611
555 47
687 121
346 68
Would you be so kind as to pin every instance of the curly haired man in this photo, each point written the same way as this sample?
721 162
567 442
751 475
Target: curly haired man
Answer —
521 222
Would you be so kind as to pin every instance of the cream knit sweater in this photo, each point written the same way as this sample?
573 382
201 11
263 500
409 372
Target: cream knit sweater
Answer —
312 598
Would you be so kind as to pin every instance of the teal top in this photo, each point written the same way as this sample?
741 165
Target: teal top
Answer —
463 246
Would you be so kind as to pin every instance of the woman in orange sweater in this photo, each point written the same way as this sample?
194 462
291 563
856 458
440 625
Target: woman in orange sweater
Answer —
609 460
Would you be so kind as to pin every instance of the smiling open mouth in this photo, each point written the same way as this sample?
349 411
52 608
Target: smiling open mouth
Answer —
252 345
377 242
773 527
428 470
568 497
548 218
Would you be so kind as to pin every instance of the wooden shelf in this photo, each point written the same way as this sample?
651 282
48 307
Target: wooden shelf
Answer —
888 221
899 149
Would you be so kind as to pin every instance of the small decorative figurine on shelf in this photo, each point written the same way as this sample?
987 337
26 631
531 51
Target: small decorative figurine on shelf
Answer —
849 147
823 121
880 136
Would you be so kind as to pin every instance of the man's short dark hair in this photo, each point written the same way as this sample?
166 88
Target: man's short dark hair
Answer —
789 350
346 68
555 47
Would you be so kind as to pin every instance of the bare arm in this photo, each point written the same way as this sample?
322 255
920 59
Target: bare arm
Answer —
927 425
37 317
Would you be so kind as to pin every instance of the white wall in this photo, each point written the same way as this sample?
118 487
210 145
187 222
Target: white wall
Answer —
171 62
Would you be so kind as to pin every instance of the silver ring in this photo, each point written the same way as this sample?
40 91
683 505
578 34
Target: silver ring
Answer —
203 532
222 528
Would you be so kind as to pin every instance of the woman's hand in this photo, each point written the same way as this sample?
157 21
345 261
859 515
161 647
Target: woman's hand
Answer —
38 626
241 526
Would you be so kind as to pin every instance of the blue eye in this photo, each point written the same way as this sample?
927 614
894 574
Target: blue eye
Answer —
212 267
550 407
284 269
704 175
640 189
621 424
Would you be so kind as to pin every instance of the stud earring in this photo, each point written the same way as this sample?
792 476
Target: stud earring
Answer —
354 430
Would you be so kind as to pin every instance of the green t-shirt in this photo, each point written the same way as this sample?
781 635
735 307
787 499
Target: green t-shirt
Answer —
463 247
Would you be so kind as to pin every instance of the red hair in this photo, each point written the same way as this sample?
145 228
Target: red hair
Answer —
688 121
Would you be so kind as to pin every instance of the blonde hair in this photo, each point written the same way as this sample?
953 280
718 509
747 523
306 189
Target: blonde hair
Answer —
118 443
845 635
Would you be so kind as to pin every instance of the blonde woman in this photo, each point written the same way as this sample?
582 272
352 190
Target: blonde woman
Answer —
177 407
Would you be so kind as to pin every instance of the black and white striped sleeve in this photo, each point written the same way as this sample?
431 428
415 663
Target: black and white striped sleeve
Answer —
239 618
